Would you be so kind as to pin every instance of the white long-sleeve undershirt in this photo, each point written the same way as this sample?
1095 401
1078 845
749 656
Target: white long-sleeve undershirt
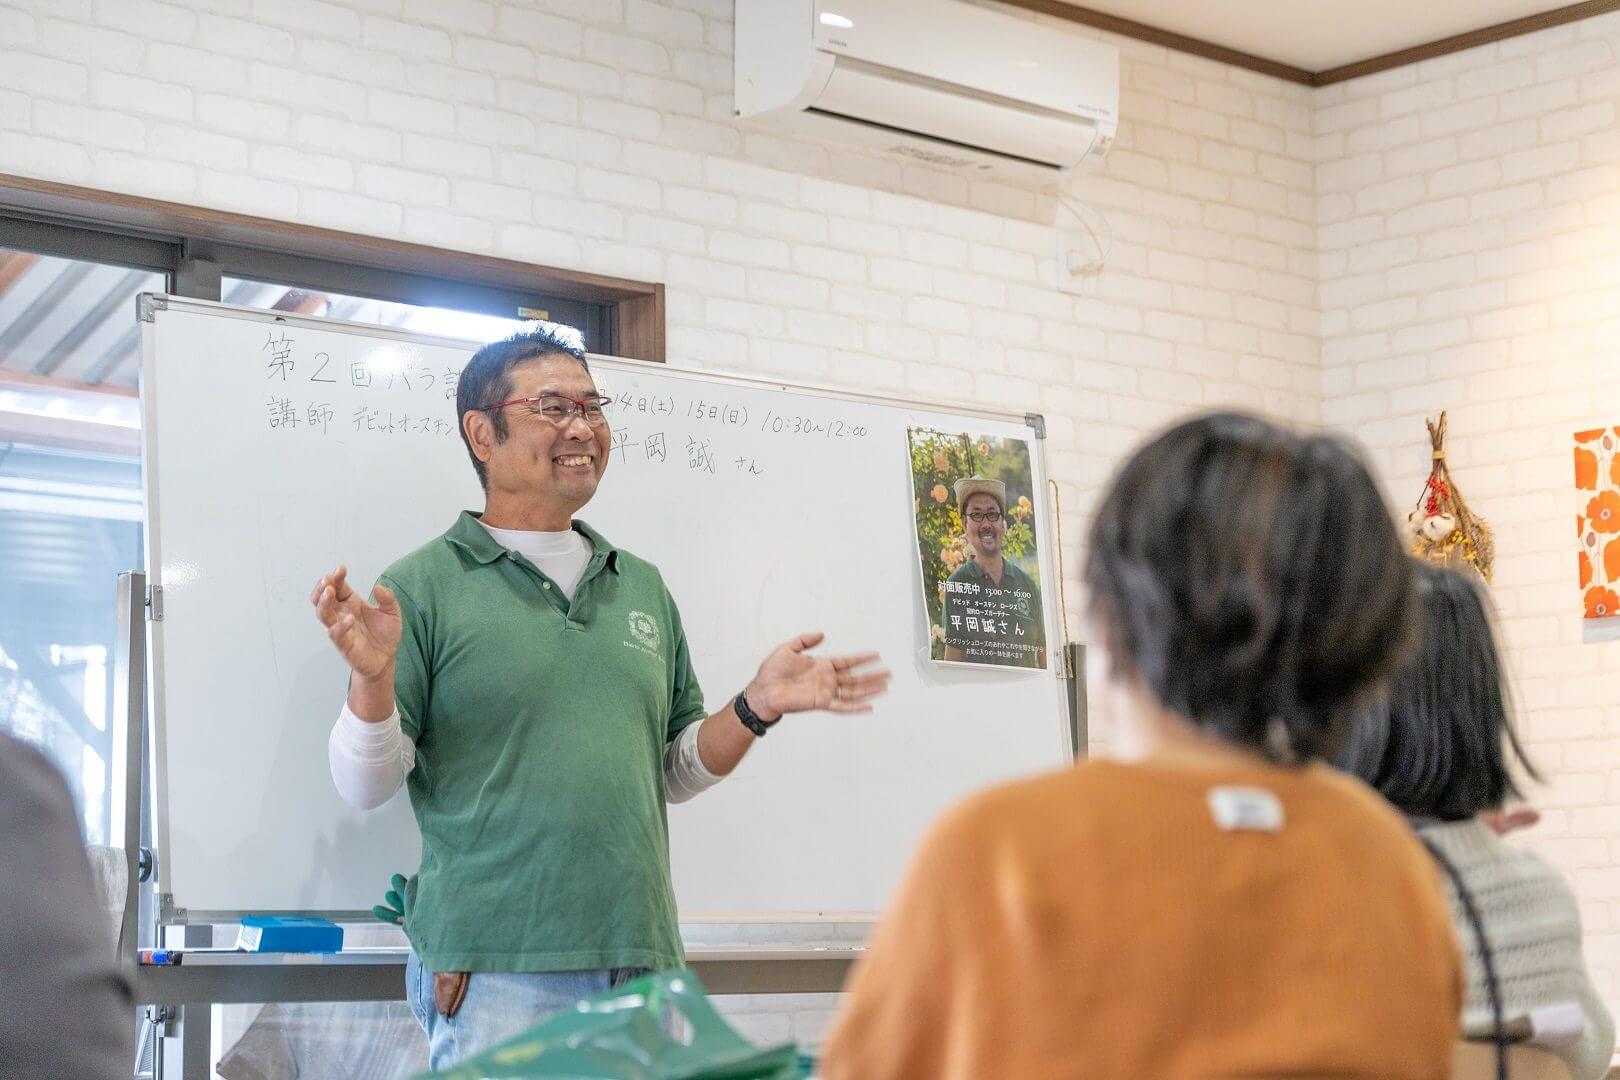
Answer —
369 761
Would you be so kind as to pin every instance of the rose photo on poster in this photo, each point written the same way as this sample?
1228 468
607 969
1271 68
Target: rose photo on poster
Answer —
976 531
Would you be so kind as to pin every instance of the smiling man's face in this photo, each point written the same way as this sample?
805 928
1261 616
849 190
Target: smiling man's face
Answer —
987 532
541 460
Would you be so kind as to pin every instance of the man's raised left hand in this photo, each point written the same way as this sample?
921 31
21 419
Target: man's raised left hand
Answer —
791 680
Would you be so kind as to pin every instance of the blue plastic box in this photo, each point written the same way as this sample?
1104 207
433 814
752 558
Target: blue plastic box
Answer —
289 933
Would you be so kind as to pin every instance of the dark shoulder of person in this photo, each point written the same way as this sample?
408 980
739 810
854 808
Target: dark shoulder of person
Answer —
65 1008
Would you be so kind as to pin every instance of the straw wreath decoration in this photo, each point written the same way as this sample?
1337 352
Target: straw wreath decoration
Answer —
1442 528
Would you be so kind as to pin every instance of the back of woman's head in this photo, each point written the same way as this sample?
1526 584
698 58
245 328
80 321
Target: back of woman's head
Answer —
1434 748
1252 579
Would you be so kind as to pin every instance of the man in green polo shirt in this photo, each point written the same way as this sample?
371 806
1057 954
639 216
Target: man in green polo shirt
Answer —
531 684
992 610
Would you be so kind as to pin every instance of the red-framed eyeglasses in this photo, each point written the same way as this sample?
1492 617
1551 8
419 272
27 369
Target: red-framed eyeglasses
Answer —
560 409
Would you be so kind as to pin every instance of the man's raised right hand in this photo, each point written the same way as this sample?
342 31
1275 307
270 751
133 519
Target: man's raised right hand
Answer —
367 635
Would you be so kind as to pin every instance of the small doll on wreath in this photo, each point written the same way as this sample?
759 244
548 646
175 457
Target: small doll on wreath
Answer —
1441 528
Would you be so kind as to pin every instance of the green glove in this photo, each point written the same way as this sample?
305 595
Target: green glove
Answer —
392 909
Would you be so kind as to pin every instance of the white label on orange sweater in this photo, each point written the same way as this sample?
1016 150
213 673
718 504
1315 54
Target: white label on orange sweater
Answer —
1252 808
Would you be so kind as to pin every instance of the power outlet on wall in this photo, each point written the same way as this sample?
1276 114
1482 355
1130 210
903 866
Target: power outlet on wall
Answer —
1080 257
1084 240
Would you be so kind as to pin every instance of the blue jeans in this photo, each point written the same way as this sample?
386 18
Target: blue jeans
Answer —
498 1006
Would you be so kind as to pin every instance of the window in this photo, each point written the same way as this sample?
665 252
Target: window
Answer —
440 321
70 508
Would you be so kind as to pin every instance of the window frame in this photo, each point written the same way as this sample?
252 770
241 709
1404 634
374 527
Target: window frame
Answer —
196 247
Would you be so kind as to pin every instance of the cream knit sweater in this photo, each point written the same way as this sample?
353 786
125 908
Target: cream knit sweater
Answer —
1534 930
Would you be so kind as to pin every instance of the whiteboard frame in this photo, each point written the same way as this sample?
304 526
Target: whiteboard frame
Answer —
147 307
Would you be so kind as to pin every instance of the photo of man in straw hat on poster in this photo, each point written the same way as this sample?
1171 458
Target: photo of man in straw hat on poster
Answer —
976 537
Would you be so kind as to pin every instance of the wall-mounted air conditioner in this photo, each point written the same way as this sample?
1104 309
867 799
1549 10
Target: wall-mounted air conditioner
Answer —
946 82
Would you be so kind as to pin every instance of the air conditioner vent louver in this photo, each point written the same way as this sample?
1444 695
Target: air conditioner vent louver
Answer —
932 157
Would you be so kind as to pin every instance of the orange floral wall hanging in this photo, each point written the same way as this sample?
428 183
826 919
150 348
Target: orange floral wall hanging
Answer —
1597 481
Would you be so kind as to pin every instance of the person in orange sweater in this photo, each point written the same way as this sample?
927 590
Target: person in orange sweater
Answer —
1215 901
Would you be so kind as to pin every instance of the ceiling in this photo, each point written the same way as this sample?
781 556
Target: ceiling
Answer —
1318 35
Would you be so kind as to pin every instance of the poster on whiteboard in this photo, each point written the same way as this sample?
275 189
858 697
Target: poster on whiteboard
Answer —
976 543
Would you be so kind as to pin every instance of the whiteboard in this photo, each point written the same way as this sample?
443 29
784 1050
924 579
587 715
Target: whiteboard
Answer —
279 445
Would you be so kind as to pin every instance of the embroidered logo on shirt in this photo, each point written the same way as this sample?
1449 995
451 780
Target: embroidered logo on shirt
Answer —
644 628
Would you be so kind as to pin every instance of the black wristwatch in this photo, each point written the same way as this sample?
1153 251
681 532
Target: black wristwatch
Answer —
749 717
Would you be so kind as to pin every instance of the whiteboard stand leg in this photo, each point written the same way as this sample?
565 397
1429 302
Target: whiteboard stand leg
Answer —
187 1044
1074 656
129 710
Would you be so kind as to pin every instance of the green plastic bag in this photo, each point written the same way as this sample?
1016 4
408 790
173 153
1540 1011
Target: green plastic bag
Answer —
620 1036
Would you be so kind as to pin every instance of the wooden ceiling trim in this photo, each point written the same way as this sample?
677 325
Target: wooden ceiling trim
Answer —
1101 20
1130 28
1472 39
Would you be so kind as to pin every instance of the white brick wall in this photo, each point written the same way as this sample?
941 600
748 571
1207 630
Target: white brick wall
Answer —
1471 261
1445 235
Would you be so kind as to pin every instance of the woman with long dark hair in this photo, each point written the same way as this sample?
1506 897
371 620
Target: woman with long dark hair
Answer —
1438 750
